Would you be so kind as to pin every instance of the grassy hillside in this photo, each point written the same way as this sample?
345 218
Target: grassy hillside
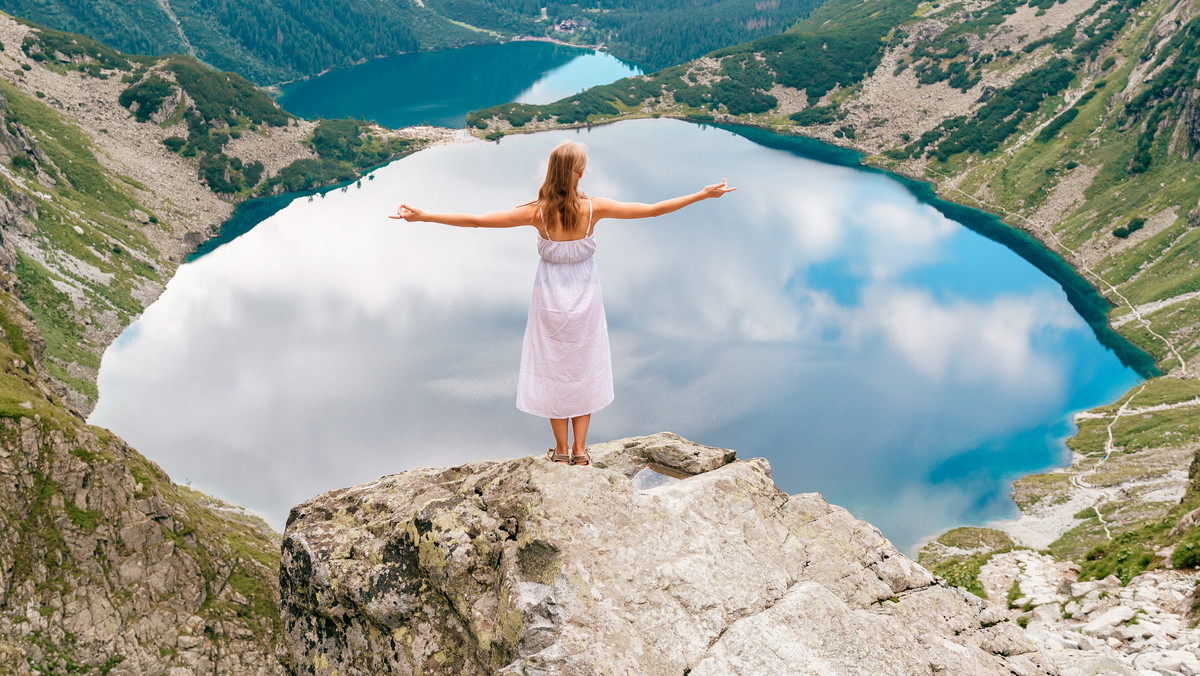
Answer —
105 564
113 168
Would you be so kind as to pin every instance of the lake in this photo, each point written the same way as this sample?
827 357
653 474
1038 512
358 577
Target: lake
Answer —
439 88
822 317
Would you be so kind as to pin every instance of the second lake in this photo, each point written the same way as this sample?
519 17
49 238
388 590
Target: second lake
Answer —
821 317
440 87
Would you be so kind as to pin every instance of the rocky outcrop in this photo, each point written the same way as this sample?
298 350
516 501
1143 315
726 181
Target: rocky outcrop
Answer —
526 567
106 565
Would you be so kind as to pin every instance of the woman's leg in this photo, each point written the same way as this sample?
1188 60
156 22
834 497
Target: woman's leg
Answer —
580 427
559 427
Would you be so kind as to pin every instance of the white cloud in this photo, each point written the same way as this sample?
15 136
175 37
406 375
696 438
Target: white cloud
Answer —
992 340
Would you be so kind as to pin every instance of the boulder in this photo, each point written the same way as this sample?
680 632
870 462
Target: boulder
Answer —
527 567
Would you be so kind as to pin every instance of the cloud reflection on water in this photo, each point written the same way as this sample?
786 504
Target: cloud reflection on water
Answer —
577 75
331 345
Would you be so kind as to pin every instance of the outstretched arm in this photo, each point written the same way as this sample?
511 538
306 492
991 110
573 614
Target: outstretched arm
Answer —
522 215
606 208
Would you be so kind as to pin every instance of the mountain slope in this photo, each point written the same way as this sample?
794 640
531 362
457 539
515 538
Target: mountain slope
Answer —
105 564
118 166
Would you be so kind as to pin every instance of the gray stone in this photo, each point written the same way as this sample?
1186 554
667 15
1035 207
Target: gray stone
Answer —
526 567
1103 626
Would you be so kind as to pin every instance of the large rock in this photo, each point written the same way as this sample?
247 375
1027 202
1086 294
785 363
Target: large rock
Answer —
526 567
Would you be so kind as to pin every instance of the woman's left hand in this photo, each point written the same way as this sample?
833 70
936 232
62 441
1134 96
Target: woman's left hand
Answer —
408 213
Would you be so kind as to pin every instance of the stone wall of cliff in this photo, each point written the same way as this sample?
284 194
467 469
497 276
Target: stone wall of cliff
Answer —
104 563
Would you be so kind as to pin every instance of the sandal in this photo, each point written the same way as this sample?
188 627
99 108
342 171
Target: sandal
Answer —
584 460
558 457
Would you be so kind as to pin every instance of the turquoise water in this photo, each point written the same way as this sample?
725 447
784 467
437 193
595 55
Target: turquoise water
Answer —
440 88
824 317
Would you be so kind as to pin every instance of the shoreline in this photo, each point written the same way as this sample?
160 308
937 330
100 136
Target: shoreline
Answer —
275 89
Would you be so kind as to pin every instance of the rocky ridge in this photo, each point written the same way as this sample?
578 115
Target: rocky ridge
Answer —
106 565
527 567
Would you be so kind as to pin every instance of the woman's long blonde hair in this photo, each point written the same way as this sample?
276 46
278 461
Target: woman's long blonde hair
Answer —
559 195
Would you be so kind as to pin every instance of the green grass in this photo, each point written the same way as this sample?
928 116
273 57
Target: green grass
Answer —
1125 556
1179 323
959 554
1091 437
88 456
14 336
1139 431
1034 489
1161 391
1187 552
89 198
53 312
86 519
1161 428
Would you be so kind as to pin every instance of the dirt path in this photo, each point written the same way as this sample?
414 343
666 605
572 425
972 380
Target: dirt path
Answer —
1157 305
166 8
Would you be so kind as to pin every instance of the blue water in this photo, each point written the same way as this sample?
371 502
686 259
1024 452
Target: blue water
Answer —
440 88
823 317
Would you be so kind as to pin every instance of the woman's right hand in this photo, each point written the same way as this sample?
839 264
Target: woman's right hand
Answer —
717 189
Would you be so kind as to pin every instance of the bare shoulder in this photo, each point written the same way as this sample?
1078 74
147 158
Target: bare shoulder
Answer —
603 207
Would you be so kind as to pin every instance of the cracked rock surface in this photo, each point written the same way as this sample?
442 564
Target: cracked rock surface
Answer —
527 567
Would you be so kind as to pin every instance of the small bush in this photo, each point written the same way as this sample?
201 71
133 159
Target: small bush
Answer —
816 115
149 95
1124 559
24 162
1141 162
1128 229
1187 555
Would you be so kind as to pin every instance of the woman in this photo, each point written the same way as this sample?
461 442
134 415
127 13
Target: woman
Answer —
566 367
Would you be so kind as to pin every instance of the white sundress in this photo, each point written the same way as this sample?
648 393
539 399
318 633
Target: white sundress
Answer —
566 365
